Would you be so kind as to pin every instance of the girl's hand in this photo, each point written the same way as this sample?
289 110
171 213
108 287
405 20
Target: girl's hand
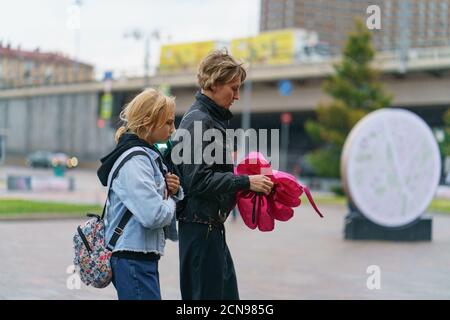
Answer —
173 183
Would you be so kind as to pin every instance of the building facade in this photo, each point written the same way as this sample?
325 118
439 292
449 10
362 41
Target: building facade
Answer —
21 68
404 23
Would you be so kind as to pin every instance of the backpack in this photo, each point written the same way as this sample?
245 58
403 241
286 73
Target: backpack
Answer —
92 254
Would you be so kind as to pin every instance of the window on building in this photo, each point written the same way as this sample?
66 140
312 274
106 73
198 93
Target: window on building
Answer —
65 73
387 25
37 74
10 67
421 27
48 75
27 71
431 21
444 21
87 74
75 72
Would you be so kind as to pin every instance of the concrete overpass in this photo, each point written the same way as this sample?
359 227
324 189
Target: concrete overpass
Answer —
64 117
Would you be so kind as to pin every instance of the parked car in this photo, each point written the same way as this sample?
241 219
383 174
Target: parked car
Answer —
47 159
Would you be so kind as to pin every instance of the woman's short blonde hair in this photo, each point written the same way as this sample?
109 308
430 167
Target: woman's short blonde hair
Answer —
219 67
150 107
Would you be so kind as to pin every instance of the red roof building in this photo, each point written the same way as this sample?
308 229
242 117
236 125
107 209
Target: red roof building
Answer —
21 68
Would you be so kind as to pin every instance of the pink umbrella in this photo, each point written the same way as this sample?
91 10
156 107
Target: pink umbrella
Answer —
259 210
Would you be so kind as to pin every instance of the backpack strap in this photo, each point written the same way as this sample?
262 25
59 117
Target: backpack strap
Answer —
127 215
119 230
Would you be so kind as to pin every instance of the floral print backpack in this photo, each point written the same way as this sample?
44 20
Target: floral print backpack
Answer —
92 254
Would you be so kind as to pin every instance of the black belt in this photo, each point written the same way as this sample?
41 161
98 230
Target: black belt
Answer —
215 223
141 256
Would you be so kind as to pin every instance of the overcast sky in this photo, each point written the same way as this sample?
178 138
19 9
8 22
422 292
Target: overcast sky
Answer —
49 24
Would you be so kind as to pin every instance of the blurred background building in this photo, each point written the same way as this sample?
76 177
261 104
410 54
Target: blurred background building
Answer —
415 23
22 68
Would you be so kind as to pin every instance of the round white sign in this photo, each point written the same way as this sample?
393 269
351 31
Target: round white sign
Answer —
390 166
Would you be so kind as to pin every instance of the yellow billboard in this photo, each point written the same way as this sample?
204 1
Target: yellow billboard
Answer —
184 56
275 47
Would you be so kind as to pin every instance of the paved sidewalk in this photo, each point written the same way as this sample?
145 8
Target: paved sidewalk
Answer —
304 258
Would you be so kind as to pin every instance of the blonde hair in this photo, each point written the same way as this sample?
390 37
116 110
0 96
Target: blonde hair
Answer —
219 67
150 107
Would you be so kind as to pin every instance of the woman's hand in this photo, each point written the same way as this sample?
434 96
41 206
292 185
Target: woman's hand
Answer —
260 183
173 183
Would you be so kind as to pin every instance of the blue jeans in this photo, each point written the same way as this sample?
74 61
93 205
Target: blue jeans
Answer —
135 280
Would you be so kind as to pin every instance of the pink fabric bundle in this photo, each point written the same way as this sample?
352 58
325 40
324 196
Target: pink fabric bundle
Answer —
259 210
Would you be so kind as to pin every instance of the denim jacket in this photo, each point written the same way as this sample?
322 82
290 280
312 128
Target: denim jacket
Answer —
139 186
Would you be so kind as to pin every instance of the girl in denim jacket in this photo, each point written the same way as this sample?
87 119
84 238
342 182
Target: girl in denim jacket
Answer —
144 187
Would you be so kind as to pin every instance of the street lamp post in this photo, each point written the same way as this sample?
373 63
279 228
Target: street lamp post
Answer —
138 35
78 3
247 108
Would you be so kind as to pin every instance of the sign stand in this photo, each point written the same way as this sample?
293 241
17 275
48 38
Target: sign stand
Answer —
358 227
